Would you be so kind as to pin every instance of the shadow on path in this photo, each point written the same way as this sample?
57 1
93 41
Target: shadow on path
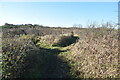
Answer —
44 63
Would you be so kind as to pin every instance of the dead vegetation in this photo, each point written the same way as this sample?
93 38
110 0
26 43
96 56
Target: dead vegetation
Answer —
96 55
93 55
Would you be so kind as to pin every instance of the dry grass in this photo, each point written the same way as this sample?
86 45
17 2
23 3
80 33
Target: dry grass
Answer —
96 56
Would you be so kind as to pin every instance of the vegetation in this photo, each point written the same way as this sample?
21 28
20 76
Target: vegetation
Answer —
66 41
35 51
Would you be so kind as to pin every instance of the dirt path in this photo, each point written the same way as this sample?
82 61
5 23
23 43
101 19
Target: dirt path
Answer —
45 63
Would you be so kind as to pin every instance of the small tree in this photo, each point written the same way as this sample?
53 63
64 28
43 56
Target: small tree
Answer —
77 25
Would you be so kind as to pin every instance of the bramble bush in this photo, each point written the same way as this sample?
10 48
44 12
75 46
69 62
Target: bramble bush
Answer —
13 55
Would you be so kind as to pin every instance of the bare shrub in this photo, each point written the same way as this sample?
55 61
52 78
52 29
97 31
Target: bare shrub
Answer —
96 55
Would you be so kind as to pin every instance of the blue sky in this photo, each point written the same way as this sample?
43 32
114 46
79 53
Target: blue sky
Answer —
64 14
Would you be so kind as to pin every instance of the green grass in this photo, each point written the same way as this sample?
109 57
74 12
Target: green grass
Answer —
47 60
43 45
72 73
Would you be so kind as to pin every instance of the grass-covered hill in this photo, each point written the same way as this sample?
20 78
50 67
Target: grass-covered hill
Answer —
36 51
